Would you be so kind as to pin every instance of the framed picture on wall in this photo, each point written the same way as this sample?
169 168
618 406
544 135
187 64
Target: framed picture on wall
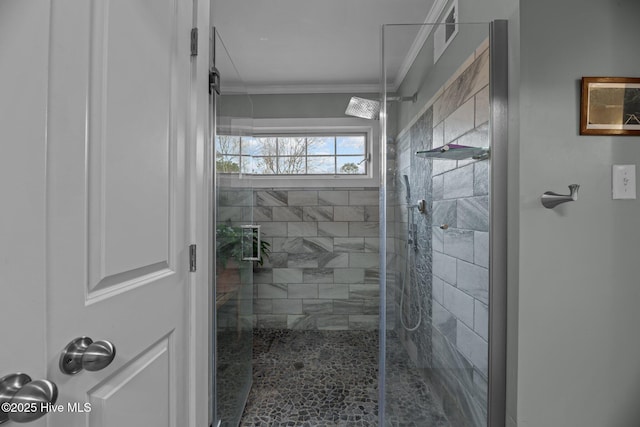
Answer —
610 106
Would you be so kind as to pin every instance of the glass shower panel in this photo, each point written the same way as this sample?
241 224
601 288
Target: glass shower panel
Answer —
234 243
435 359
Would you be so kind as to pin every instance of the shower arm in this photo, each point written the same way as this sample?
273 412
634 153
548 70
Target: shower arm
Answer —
413 98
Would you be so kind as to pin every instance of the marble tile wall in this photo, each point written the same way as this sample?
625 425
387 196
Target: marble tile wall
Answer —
234 203
323 269
452 262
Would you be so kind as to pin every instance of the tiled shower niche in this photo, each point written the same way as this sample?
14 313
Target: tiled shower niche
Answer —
451 345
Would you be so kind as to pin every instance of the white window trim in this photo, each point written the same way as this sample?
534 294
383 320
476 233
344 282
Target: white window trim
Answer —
323 125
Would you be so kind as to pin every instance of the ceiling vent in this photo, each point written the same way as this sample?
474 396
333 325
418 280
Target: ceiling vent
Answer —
444 34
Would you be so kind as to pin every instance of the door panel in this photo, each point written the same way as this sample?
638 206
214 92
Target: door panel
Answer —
130 129
111 399
116 207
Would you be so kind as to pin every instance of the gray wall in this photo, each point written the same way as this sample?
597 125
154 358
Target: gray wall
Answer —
292 106
579 273
313 105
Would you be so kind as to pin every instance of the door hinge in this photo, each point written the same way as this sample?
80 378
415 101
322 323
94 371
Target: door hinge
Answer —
214 80
192 258
194 42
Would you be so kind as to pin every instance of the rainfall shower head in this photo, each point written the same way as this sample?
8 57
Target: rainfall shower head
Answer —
363 108
369 108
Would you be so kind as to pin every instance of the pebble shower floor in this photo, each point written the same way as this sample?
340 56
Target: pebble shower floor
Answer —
330 378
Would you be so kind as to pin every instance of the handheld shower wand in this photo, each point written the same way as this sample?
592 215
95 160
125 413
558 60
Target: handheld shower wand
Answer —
421 205
409 270
406 183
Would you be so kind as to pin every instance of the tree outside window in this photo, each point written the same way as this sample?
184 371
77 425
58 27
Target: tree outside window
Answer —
292 154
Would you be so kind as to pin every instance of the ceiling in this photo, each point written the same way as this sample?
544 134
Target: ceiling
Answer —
298 46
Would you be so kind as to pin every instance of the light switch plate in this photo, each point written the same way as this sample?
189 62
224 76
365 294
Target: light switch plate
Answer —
624 181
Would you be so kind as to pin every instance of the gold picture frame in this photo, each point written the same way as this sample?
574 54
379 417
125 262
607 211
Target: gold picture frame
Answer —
610 106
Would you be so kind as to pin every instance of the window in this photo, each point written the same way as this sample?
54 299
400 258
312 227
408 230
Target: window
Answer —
228 154
305 152
293 154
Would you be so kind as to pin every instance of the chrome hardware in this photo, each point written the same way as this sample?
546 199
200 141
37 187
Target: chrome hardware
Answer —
422 206
366 159
214 80
192 258
34 397
550 199
413 235
83 353
253 241
194 42
9 386
444 226
455 152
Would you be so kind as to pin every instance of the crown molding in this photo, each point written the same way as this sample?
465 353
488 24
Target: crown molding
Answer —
231 89
319 88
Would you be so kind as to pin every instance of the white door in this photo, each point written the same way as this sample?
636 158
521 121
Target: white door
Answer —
23 88
114 221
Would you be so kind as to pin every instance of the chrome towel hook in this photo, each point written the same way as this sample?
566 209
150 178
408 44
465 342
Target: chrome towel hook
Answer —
550 199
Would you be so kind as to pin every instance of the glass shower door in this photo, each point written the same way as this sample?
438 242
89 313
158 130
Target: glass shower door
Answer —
234 242
439 280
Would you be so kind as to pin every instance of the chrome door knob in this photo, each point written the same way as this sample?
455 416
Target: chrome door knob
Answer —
23 400
84 353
